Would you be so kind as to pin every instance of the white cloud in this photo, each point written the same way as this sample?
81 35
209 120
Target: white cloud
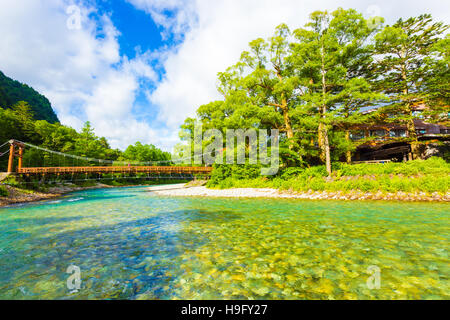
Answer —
85 77
79 70
175 16
221 30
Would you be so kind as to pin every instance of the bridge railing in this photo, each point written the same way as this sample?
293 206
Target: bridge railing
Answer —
115 169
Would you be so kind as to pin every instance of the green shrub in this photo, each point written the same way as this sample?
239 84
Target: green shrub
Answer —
292 172
3 191
429 176
431 166
223 172
85 184
11 181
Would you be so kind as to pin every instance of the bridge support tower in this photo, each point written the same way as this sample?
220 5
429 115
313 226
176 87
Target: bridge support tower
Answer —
16 149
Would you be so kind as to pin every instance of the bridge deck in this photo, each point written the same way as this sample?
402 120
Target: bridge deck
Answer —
116 169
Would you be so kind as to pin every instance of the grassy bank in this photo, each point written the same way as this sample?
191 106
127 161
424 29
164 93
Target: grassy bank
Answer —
3 191
427 176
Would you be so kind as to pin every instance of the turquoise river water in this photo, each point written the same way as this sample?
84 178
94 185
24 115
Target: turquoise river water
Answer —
131 244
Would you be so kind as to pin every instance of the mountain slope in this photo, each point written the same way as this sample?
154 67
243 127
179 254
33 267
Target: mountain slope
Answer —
12 91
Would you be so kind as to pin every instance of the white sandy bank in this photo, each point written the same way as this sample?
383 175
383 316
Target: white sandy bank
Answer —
180 190
227 193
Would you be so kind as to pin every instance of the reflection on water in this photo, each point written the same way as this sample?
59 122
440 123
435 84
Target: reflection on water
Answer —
130 244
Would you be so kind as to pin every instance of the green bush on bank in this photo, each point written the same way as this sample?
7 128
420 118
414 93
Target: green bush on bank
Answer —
431 166
222 175
12 181
429 176
385 183
3 191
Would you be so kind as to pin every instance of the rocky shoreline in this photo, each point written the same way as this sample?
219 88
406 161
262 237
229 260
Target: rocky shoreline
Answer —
18 196
201 191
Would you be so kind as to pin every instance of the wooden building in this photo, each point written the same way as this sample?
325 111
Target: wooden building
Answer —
389 141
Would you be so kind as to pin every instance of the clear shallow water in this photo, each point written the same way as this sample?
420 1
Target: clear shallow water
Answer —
131 244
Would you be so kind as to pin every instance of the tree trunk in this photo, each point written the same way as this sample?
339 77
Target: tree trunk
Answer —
324 143
322 126
412 134
326 148
287 119
289 131
321 143
411 127
288 124
348 154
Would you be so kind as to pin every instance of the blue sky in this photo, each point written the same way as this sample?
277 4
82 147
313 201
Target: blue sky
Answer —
137 68
138 33
137 30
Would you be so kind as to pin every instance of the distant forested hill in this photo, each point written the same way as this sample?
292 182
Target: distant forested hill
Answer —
12 91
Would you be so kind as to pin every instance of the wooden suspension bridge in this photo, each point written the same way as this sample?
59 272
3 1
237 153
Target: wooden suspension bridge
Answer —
17 149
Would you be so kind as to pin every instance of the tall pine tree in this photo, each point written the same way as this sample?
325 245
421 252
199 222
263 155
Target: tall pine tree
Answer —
330 53
400 67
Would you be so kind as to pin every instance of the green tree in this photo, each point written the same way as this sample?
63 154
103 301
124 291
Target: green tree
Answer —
24 115
400 68
87 144
10 126
330 51
56 136
11 92
145 153
260 91
355 94
437 81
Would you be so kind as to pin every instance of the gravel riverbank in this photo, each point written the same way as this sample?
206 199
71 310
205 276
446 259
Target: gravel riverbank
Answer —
201 191
17 196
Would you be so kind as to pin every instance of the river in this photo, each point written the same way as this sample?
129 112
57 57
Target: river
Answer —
131 244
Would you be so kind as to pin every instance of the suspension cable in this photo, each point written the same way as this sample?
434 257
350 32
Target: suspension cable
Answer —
106 161
4 144
4 153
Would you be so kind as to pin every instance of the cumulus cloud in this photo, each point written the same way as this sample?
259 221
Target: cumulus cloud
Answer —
175 16
221 30
83 74
80 70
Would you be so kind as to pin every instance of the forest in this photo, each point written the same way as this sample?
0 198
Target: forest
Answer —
26 115
11 92
315 83
18 123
